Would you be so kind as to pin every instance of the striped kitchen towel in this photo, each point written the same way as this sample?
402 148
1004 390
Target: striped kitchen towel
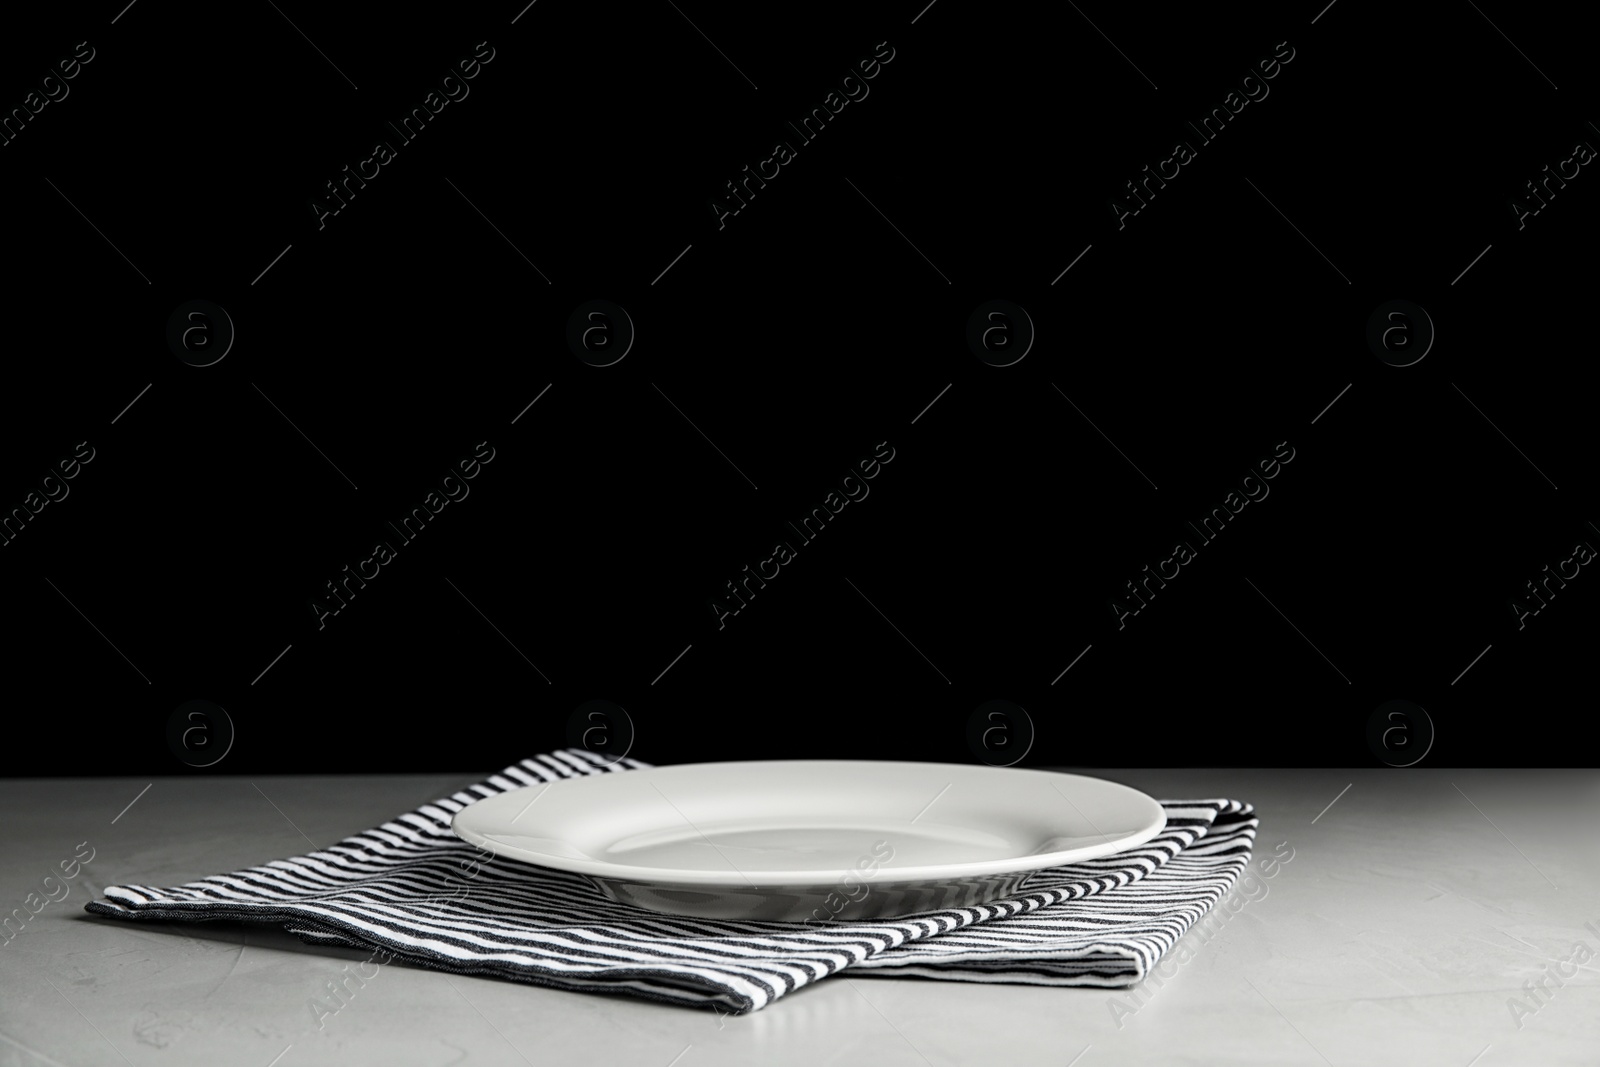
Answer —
412 890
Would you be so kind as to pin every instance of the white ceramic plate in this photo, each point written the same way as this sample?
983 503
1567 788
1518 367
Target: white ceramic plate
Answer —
804 840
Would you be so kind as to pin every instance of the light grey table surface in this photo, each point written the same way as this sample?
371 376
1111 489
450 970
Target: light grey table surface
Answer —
1402 930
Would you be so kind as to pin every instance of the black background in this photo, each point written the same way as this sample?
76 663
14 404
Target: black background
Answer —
797 337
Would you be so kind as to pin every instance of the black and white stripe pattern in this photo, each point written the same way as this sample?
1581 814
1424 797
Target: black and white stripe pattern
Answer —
412 888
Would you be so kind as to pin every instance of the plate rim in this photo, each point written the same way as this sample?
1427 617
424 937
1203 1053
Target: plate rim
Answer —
821 879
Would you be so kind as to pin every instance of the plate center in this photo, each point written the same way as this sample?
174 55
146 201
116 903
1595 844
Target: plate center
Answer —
786 845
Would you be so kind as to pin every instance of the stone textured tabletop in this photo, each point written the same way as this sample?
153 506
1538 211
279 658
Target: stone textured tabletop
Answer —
1423 916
